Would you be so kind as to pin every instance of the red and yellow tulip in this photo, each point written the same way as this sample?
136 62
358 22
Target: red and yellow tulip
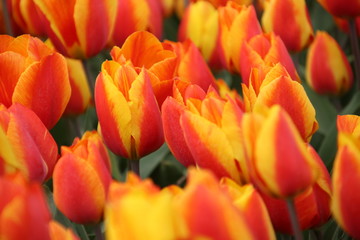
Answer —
200 24
290 20
25 18
136 15
34 76
81 179
23 202
346 175
277 157
327 69
270 86
207 124
129 115
264 50
82 28
27 145
312 206
341 9
143 49
238 23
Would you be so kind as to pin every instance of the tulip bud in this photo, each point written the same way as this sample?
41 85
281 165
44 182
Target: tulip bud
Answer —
58 232
290 20
82 28
81 179
346 175
24 213
34 76
26 144
129 115
268 50
327 69
280 162
341 9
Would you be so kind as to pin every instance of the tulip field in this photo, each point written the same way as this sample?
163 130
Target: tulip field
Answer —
179 119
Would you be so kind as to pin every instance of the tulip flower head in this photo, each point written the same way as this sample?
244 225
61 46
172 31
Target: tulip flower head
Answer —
23 201
337 8
81 196
290 20
345 176
82 28
34 76
327 69
26 144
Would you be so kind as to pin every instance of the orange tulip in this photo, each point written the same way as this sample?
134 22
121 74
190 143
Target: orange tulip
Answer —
237 25
34 76
25 18
210 127
188 59
82 28
81 179
58 232
27 145
270 86
129 115
290 20
346 176
327 68
278 160
143 49
23 209
200 24
312 206
210 212
268 50
136 15
341 9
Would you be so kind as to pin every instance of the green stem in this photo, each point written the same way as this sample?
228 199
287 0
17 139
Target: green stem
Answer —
134 165
98 232
7 18
89 77
355 48
294 220
76 126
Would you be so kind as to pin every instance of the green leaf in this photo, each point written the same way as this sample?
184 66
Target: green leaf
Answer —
353 106
149 163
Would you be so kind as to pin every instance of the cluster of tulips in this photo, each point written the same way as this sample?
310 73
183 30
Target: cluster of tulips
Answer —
256 161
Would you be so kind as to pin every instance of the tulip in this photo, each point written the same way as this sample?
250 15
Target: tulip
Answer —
138 209
22 202
327 69
207 124
200 24
278 160
225 91
129 116
345 176
290 20
343 24
340 9
265 49
80 91
248 200
270 86
143 49
210 212
25 18
34 76
136 15
27 145
238 24
188 59
82 28
312 206
58 232
81 179
218 3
